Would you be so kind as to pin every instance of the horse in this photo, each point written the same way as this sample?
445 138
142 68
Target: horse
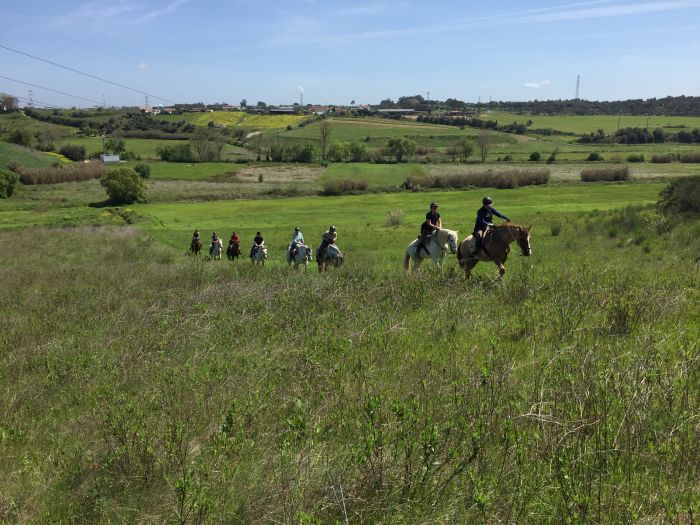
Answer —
495 247
331 256
434 247
196 246
215 250
259 254
233 251
303 256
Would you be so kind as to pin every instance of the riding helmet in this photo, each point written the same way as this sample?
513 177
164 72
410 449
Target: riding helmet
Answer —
332 228
487 200
257 233
433 204
296 228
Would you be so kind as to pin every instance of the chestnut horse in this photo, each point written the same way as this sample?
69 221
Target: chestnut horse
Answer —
495 248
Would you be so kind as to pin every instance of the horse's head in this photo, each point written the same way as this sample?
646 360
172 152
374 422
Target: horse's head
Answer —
523 239
449 238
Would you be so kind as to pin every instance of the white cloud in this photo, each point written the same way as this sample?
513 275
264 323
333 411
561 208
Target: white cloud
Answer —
141 66
537 85
155 13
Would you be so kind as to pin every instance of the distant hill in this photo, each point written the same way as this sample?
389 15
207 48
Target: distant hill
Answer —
25 156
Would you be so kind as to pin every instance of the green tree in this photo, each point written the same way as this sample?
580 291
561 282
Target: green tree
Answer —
483 143
338 152
243 103
115 146
8 181
325 131
73 152
201 144
401 148
357 151
8 102
144 170
124 186
22 137
465 149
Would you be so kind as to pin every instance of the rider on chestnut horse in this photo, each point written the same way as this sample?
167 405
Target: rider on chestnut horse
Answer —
484 220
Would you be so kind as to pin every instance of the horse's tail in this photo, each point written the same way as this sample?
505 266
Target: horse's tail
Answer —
460 259
406 262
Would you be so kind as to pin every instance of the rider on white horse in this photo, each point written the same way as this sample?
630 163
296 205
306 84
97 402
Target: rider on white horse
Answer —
258 241
484 220
432 223
297 240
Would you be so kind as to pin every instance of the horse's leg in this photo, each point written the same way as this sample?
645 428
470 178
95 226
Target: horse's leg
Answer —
501 268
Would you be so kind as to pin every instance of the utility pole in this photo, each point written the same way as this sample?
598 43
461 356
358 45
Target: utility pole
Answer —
31 98
578 84
618 121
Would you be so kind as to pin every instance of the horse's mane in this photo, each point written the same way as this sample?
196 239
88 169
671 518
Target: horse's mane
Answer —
449 232
511 225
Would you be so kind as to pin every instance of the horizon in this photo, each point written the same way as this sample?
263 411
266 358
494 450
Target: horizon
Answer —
177 51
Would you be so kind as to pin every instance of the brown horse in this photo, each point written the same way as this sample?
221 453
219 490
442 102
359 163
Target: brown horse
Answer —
496 246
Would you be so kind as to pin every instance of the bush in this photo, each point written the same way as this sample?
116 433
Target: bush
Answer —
144 170
338 187
395 217
484 179
553 156
124 186
22 137
605 174
690 157
635 157
60 173
681 196
8 181
73 152
662 159
535 156
594 156
176 153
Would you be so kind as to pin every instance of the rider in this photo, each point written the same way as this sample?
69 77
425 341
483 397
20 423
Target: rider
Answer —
195 237
327 239
484 218
235 239
432 223
215 240
257 241
297 240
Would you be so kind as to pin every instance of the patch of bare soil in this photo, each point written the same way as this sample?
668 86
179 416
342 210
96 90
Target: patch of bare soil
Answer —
279 173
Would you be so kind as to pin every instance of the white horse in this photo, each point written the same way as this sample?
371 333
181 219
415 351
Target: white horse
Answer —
303 256
215 250
434 248
259 254
331 256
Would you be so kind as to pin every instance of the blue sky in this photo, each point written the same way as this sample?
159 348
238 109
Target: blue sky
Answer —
336 52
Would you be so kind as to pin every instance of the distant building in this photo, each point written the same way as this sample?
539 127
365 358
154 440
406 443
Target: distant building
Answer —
283 110
396 111
109 159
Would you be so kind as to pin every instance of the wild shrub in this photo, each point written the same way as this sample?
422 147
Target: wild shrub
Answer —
144 170
22 137
535 156
73 152
555 229
635 157
8 181
338 187
681 196
594 156
484 179
176 153
605 174
124 186
395 217
662 158
61 173
553 156
689 157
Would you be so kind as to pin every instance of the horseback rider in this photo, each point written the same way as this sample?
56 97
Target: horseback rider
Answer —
258 241
327 239
195 239
297 240
215 240
235 239
484 221
432 223
234 242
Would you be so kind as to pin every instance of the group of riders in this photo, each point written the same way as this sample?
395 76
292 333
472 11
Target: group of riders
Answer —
432 223
329 237
484 221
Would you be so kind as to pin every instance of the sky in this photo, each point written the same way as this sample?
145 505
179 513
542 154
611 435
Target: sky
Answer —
336 52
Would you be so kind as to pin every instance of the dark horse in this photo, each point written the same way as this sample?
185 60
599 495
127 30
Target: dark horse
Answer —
495 247
233 251
196 246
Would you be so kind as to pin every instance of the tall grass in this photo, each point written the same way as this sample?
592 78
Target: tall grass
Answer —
62 173
144 385
612 173
484 179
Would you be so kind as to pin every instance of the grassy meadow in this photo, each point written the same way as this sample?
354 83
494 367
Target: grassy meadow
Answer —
142 384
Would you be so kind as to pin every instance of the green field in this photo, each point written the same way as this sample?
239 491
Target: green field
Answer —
27 157
237 119
144 385
580 124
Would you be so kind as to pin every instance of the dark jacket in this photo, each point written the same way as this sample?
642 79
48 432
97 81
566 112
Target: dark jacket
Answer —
484 217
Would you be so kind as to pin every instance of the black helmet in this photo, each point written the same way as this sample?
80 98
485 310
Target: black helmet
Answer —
433 204
487 200
257 233
296 228
332 228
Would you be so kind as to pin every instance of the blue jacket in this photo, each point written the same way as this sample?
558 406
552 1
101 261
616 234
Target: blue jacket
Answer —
484 217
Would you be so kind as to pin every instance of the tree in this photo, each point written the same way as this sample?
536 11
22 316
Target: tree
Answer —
218 145
357 151
46 139
483 143
325 130
124 186
261 104
144 170
115 146
400 148
452 152
22 137
73 152
8 102
201 144
338 152
244 103
465 149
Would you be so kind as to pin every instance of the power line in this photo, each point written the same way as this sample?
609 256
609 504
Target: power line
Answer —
86 74
52 90
35 101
